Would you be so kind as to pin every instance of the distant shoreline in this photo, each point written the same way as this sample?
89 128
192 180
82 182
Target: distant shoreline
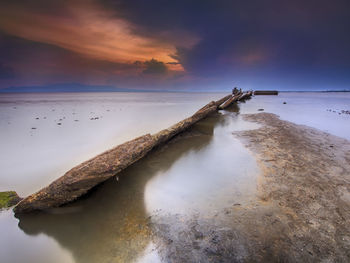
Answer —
6 91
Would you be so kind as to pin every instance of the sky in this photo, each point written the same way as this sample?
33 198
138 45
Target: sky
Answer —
182 45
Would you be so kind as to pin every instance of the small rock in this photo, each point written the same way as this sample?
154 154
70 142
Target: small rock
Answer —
37 118
284 102
59 123
260 109
33 128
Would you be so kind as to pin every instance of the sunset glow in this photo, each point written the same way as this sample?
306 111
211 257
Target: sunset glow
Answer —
90 30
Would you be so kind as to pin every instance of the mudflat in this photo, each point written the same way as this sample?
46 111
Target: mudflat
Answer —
301 213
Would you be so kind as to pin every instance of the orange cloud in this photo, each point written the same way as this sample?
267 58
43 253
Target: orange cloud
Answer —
90 30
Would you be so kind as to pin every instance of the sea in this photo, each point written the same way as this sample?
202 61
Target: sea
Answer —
43 135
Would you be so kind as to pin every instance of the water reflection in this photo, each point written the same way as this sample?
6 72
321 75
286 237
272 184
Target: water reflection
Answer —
200 170
111 223
233 108
208 179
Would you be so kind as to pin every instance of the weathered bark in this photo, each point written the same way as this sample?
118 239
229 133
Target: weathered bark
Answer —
166 134
221 101
79 180
245 95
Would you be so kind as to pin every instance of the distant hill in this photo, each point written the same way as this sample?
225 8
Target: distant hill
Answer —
68 87
345 90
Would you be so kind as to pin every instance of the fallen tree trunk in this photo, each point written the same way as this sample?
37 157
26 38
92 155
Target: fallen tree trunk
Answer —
221 101
166 134
245 95
80 179
230 101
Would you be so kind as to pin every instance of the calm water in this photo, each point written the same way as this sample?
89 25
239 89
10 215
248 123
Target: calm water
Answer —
308 109
199 173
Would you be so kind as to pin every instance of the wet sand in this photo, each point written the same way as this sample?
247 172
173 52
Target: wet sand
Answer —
301 214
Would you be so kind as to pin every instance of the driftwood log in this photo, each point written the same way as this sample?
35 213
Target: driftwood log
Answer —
245 95
237 97
221 101
80 179
230 101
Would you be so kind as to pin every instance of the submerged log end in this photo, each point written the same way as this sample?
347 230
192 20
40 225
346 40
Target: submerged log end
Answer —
37 201
79 180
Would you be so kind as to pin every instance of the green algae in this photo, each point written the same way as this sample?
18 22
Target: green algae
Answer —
8 199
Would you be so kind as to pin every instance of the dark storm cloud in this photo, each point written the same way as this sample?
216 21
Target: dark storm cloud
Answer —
253 43
154 67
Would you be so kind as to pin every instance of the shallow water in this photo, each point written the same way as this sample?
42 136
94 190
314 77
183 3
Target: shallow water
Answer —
199 173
